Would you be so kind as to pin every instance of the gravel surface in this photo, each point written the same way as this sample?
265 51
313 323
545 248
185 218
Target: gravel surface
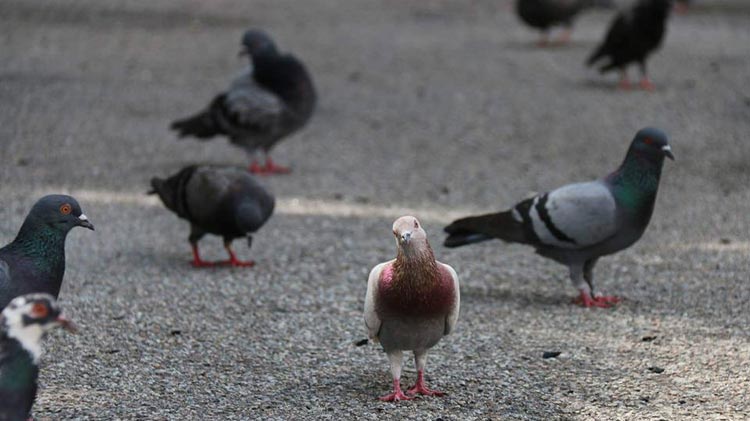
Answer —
436 108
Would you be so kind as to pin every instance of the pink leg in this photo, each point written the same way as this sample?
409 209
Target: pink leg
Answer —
647 85
197 262
565 36
397 394
272 168
254 168
233 261
624 82
420 388
585 300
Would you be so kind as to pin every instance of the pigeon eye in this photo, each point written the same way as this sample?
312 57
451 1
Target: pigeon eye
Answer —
39 310
648 141
66 209
416 224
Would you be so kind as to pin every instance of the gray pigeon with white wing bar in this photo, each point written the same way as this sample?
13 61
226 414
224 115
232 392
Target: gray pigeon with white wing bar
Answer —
578 223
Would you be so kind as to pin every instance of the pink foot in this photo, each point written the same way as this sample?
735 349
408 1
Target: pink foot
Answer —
624 84
397 394
646 85
272 168
197 261
421 388
585 300
239 263
254 168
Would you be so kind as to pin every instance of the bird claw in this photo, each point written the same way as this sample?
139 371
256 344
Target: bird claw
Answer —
396 396
647 85
232 263
600 301
202 264
421 389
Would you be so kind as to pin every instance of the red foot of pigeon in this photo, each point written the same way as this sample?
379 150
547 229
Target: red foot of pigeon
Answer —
397 394
272 168
646 85
421 388
197 261
624 84
585 300
254 168
234 261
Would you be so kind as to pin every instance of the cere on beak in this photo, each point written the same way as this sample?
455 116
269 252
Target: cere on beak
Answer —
668 152
83 221
66 324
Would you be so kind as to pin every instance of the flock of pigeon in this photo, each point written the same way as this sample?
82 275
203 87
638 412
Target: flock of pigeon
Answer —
411 301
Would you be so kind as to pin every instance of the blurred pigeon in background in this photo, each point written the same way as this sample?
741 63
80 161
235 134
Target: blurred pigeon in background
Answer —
545 14
578 223
271 100
634 34
223 201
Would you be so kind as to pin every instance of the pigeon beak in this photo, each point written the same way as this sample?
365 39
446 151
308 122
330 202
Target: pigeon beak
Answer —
243 52
667 152
83 221
406 237
66 324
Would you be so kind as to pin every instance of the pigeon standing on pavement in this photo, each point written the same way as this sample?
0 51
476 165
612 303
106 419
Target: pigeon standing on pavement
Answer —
271 100
35 260
412 301
634 34
545 14
23 324
223 201
578 223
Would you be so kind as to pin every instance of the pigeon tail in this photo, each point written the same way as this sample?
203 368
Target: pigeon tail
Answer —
475 229
201 125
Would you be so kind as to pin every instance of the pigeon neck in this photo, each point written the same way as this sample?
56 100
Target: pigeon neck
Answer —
415 268
19 370
636 182
40 240
287 78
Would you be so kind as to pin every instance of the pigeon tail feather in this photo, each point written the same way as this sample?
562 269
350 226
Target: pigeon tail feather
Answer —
475 229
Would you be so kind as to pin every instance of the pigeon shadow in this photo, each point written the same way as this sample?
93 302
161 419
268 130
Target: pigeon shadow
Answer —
523 298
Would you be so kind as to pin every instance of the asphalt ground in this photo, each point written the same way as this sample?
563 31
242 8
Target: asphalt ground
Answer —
434 108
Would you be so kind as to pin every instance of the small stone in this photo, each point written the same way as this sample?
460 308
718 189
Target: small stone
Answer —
648 338
655 369
551 354
361 342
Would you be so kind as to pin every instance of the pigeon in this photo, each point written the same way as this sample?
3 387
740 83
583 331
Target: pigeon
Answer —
35 260
23 324
578 223
412 301
223 201
545 14
272 99
634 34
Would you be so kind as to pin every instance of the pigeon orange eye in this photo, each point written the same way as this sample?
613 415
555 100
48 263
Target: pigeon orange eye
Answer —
66 209
648 141
39 310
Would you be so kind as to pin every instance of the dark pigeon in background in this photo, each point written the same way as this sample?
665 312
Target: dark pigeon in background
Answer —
546 14
634 34
271 100
578 223
35 260
223 201
23 324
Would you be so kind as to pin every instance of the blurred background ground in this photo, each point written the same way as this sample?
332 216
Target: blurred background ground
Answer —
436 108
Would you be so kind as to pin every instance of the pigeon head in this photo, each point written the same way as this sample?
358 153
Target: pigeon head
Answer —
652 144
29 317
409 233
257 43
60 212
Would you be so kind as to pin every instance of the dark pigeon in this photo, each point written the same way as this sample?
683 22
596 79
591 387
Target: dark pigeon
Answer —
269 101
634 34
216 200
35 260
23 324
578 223
546 14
